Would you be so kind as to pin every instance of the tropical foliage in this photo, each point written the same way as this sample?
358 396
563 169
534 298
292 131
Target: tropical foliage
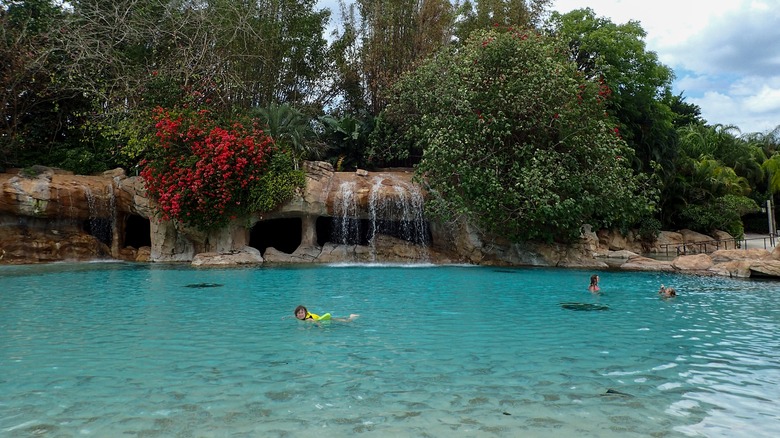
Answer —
616 54
202 173
81 81
515 139
290 128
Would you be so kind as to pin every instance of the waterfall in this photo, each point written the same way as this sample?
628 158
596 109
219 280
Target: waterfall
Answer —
346 227
410 203
395 212
400 216
373 215
99 225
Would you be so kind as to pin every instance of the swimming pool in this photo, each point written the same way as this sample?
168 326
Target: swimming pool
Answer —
119 349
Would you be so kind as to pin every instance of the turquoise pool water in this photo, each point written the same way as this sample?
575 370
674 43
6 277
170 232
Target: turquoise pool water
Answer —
116 349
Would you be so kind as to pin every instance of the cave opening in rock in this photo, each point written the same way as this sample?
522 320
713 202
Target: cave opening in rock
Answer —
323 226
283 234
137 231
353 231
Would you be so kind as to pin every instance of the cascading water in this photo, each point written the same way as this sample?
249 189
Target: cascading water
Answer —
346 226
374 215
401 215
410 201
99 225
397 213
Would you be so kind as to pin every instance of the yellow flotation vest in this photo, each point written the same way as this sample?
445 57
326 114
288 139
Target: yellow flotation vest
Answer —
310 315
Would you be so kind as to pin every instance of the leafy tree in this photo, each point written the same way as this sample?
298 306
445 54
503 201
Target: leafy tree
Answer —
384 39
772 167
234 53
769 143
126 57
516 140
270 51
277 184
685 114
715 169
39 109
723 143
723 213
388 145
348 93
640 83
348 141
709 179
485 14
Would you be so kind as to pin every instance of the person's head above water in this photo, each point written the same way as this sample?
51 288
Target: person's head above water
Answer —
301 312
594 283
667 292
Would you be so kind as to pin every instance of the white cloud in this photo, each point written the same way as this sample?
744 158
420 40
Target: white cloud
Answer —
766 101
726 53
751 106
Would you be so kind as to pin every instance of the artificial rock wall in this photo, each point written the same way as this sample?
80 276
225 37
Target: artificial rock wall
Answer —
50 215
47 215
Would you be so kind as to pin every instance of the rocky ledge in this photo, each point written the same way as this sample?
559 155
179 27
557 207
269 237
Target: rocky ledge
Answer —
48 215
739 263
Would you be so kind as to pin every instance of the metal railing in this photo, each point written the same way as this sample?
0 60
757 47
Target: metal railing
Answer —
709 246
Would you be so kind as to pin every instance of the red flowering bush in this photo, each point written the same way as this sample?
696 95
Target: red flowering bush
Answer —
203 174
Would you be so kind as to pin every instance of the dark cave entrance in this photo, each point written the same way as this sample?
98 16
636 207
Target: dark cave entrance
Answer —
353 231
282 234
138 231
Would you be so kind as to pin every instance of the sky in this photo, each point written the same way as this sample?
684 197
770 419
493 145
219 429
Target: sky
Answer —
725 53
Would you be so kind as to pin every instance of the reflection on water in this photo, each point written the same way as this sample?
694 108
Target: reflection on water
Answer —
119 349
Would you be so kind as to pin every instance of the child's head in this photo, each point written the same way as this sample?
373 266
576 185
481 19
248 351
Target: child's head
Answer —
594 279
300 312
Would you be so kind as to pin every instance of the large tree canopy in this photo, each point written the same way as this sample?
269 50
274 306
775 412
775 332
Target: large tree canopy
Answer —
239 54
641 85
516 139
383 39
37 106
484 14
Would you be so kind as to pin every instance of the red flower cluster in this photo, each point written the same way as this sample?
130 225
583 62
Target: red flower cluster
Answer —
604 91
201 173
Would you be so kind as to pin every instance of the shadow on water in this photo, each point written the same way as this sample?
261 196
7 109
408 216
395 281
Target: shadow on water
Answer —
587 307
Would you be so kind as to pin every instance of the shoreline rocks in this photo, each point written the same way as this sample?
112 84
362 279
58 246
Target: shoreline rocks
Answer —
52 216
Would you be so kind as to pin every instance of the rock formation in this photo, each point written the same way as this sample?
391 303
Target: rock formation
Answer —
49 215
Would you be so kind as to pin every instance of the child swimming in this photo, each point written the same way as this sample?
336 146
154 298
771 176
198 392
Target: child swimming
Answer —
303 314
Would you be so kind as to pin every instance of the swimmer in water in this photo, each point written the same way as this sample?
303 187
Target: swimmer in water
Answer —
594 284
667 292
303 314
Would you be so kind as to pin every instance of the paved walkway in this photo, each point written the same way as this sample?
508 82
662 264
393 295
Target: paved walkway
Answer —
763 241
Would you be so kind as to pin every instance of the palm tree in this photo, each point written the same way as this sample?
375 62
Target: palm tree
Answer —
291 129
348 140
772 168
768 141
694 141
